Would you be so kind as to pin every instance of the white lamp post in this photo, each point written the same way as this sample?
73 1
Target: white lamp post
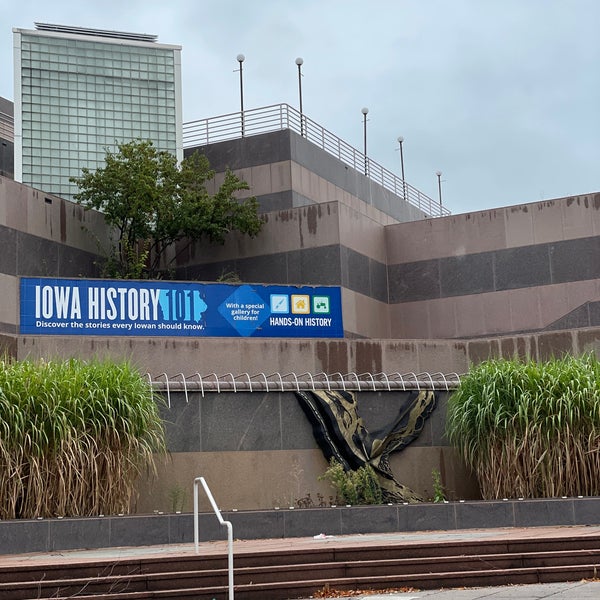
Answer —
439 176
400 141
299 62
241 58
365 111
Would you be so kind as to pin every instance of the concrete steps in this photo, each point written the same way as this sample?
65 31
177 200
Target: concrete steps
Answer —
293 573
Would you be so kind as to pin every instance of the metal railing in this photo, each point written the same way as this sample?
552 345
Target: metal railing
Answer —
296 382
282 116
201 481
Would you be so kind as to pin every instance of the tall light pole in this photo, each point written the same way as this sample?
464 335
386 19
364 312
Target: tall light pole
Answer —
299 62
439 176
241 58
365 111
400 141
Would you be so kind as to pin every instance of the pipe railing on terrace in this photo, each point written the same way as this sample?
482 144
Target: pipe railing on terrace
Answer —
201 481
282 116
296 382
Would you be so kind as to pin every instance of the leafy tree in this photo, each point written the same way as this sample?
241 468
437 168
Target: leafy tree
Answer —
154 202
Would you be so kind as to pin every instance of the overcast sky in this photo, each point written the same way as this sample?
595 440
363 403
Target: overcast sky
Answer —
502 96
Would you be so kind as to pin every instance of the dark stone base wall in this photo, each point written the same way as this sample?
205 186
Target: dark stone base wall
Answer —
49 535
265 444
7 158
262 421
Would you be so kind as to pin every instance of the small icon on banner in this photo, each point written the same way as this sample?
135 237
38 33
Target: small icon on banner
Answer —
321 305
300 304
280 303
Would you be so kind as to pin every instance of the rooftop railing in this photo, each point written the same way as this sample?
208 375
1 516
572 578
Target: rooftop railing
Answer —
282 116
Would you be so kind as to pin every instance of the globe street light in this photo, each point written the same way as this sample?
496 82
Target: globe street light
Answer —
365 111
240 59
400 141
299 62
439 176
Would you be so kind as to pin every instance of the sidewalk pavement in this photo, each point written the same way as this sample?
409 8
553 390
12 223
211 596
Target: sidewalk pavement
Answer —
578 590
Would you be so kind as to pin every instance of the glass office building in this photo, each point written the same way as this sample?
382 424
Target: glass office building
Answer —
79 91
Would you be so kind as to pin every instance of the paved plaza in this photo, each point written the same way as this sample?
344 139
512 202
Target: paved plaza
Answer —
579 590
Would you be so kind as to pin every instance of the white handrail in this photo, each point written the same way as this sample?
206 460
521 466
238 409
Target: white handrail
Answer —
202 481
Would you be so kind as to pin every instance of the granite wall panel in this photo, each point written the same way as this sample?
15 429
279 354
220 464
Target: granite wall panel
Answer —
499 270
526 266
466 274
310 266
575 260
32 256
8 256
37 257
269 268
246 152
411 282
7 159
182 423
138 531
240 422
381 518
357 269
580 317
276 201
69 534
378 283
73 262
594 314
257 421
320 266
538 513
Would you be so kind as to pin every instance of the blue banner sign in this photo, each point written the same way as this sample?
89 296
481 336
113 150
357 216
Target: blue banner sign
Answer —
152 308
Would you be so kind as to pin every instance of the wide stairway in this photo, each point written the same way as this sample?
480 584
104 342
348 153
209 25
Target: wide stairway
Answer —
294 572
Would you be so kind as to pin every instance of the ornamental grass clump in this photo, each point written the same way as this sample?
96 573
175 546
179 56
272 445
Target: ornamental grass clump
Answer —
74 437
530 429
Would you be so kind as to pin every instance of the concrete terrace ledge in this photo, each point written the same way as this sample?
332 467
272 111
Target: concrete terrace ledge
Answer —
49 535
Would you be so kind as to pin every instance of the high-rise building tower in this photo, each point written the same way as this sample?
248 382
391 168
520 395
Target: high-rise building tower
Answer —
79 91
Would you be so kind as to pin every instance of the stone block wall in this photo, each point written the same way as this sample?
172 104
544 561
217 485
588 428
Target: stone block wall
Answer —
524 268
285 171
321 244
43 236
253 356
527 268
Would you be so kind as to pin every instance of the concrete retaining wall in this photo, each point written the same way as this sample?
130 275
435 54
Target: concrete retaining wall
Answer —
248 355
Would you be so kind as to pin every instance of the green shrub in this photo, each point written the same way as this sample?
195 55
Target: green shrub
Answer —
439 492
354 487
74 437
530 429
